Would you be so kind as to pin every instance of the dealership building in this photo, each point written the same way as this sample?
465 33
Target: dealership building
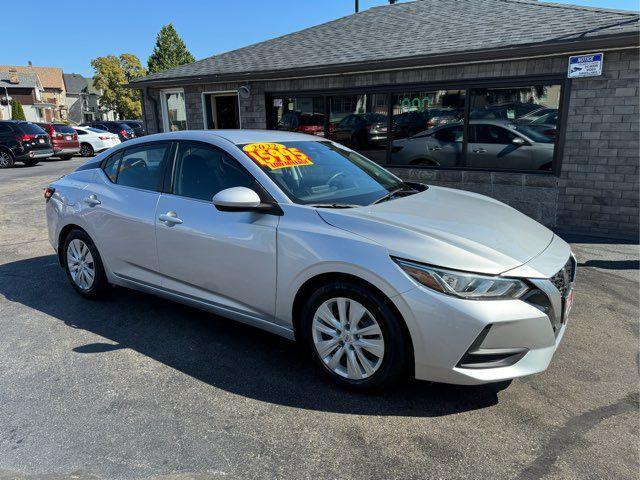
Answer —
535 104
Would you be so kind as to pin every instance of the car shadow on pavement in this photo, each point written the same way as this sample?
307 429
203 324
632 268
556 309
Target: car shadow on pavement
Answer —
225 354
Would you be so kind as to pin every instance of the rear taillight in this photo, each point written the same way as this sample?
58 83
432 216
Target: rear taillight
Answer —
25 137
48 193
124 133
75 136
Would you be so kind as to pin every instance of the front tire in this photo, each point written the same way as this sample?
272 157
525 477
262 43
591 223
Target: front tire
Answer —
86 150
31 163
354 336
6 159
83 265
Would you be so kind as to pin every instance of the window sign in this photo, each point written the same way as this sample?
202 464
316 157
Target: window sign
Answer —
585 65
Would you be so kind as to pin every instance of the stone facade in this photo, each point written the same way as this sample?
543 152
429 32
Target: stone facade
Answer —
597 189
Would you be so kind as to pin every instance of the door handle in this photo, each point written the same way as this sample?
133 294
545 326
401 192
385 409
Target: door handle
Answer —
170 218
479 150
92 201
435 148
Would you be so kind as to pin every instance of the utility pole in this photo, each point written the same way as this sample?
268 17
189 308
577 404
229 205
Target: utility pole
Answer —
357 6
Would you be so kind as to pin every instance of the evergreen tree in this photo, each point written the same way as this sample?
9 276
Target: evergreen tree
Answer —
17 112
169 51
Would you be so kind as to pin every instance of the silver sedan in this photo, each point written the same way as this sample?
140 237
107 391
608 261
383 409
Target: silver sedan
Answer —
379 279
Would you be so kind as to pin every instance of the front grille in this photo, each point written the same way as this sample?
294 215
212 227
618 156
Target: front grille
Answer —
562 280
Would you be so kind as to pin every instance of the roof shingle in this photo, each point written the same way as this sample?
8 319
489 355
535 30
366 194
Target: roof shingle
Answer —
415 29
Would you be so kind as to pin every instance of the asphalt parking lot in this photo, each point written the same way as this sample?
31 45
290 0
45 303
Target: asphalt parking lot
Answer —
138 387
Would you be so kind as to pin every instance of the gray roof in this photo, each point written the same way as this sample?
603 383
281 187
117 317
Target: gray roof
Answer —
25 80
412 32
74 83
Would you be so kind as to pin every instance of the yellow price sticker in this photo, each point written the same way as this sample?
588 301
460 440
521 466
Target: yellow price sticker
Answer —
276 155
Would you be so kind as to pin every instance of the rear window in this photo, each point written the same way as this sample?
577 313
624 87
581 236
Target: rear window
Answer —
66 129
123 126
30 128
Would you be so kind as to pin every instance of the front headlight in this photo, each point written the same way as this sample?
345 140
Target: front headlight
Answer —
462 284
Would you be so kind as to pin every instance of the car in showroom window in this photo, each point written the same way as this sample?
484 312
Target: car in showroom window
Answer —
378 279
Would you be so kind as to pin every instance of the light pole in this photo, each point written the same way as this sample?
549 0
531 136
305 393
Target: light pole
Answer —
6 97
357 6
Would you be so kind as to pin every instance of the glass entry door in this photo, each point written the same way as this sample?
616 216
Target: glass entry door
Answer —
221 111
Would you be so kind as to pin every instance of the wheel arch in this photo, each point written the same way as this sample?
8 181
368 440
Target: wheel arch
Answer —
317 281
62 236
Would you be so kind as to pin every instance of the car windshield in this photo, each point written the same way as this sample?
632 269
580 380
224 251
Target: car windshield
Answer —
322 173
533 134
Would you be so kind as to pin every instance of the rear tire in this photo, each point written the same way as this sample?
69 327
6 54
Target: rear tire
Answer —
6 159
31 162
354 337
86 150
83 265
65 157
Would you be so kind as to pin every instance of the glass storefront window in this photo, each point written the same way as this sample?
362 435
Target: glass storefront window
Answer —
513 128
299 114
427 128
508 127
360 123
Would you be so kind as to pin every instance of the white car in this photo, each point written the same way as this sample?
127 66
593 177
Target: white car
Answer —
378 278
93 140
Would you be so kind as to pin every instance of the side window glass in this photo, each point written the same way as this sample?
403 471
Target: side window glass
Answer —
111 167
493 135
200 172
143 167
449 134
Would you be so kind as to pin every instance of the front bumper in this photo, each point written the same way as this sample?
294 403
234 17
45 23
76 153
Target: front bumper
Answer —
471 342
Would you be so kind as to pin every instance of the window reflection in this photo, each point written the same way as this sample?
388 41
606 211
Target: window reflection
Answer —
299 114
176 112
513 128
428 128
360 123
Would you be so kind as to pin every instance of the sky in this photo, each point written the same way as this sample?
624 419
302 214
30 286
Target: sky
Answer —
72 37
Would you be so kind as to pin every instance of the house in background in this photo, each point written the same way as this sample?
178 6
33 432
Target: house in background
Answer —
26 89
95 111
53 91
83 100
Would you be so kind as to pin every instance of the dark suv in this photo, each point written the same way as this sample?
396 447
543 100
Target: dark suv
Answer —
137 126
124 131
23 142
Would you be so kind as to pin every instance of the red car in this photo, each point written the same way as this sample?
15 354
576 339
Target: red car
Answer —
64 139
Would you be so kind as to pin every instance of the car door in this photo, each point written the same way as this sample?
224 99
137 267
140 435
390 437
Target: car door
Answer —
444 146
226 259
121 209
492 146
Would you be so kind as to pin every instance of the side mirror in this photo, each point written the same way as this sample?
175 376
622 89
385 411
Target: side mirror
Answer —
518 142
243 199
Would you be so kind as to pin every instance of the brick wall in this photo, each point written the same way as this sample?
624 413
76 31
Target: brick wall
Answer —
597 191
598 186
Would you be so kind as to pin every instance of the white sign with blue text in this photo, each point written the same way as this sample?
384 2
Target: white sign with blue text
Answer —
585 65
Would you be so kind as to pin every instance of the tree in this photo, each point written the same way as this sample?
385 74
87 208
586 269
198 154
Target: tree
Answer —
169 51
17 112
111 77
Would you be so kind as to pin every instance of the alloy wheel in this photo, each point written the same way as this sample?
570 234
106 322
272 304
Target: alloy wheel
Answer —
85 150
5 160
81 265
348 338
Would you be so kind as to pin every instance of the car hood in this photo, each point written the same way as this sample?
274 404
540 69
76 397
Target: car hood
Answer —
448 228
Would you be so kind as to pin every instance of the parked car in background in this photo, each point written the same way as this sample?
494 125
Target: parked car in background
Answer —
544 121
124 131
93 140
361 130
444 116
64 139
505 111
377 278
23 142
494 144
137 126
310 123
